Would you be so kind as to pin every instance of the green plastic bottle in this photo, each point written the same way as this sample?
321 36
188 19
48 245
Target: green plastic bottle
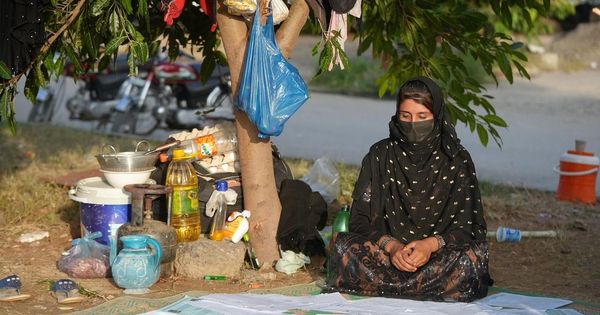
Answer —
342 221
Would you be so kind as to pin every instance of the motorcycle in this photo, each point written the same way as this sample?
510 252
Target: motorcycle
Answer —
97 86
173 96
167 94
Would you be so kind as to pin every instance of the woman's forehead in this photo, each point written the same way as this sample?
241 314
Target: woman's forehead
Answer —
413 106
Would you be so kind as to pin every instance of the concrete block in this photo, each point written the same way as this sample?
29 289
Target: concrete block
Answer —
203 257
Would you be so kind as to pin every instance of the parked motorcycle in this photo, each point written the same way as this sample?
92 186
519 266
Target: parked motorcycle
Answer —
96 86
92 88
165 94
174 97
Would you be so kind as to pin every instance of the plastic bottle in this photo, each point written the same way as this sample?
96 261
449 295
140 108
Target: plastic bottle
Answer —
250 254
218 223
185 210
342 221
210 145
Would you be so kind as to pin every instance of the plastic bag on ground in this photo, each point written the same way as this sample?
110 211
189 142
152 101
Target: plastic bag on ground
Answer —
271 89
323 177
87 258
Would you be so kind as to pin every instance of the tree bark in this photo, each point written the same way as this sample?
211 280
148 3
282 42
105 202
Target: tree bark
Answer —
258 179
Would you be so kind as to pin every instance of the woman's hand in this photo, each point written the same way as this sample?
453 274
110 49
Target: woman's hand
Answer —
420 251
399 257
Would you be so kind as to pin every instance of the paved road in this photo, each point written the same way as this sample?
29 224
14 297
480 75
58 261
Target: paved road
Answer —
545 116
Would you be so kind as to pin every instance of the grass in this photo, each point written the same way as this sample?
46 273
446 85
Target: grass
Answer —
39 152
359 79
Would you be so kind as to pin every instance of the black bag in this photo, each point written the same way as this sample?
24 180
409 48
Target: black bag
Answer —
303 213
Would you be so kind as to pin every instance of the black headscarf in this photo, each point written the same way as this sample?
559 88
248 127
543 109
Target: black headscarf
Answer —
425 188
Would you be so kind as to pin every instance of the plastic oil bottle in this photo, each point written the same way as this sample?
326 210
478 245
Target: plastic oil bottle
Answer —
218 224
185 211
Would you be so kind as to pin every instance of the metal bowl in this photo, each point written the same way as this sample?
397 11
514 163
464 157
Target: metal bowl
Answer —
126 161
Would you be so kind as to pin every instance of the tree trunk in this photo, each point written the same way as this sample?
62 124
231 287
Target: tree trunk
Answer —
258 179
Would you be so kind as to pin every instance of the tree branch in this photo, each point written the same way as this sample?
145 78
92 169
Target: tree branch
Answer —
288 33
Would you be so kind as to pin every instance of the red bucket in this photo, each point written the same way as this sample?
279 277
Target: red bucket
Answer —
578 171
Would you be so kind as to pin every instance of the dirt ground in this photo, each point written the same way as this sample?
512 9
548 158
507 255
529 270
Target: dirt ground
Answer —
565 267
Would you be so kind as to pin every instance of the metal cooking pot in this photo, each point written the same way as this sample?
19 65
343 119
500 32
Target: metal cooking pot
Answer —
127 161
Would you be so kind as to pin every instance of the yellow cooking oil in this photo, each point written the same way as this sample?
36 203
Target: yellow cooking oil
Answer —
185 210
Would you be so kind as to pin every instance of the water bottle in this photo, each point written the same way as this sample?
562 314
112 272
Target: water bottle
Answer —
342 221
185 210
218 223
203 147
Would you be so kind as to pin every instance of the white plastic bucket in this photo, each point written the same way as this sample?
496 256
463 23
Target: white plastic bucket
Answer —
102 207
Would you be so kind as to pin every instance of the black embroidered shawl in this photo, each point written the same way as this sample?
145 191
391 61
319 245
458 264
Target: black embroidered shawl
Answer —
415 190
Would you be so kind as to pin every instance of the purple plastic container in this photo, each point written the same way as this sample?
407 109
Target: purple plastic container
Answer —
103 208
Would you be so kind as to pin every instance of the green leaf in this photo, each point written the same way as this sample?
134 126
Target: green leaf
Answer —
115 24
472 122
383 87
133 70
7 112
98 6
516 45
208 66
4 71
127 6
31 87
315 49
114 43
483 135
495 120
88 44
142 11
522 71
73 57
104 61
504 65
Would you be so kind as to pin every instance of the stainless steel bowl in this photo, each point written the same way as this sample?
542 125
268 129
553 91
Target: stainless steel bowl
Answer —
126 161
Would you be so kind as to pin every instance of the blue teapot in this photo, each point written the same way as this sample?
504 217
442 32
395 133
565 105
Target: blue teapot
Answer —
137 267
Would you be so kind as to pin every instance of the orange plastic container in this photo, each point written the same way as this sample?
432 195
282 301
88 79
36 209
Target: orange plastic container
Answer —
578 171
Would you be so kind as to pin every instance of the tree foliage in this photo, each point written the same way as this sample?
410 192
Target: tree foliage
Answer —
428 37
424 37
90 33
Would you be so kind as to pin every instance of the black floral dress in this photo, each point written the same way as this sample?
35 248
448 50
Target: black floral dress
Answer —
412 191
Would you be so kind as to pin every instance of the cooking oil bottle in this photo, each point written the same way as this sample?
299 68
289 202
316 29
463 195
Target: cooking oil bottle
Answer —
185 211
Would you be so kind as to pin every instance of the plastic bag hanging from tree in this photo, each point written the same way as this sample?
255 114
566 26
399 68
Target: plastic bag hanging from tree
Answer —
271 89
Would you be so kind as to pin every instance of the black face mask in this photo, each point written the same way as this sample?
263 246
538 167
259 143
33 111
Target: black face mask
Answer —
416 131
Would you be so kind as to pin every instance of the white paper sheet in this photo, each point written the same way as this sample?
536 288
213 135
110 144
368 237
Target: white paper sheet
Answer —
335 303
525 302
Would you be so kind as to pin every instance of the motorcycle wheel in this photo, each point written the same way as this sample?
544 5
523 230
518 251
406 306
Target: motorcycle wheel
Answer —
139 121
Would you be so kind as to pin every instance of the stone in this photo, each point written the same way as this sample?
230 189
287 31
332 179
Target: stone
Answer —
203 257
550 61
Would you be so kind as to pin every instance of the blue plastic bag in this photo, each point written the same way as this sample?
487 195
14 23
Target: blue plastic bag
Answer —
271 90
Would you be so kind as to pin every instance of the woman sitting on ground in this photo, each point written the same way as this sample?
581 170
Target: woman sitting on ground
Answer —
416 228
